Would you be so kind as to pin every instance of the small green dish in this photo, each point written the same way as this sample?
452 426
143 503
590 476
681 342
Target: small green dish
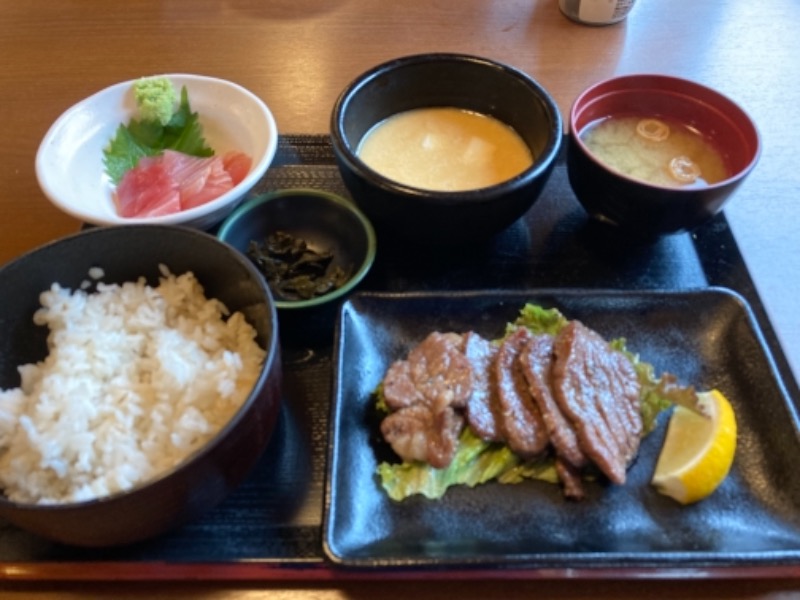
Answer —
325 221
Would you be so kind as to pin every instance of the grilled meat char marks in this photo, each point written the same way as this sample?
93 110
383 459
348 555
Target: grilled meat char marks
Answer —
424 392
521 420
435 373
536 361
597 388
571 393
481 409
570 478
417 433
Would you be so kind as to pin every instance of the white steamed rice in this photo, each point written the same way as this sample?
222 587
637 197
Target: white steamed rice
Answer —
137 378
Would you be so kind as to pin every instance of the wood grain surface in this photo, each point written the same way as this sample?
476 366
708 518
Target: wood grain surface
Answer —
299 54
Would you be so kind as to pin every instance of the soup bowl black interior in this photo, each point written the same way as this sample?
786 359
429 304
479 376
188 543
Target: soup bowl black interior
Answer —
202 480
445 80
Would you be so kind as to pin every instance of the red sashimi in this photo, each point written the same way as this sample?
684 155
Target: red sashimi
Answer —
147 191
173 181
237 164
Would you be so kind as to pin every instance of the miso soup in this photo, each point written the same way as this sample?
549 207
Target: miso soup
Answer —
445 149
655 150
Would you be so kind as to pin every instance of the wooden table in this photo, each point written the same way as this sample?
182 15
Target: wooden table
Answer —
298 54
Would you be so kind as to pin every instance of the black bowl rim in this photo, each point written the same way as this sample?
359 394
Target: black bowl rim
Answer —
340 201
541 163
663 79
272 353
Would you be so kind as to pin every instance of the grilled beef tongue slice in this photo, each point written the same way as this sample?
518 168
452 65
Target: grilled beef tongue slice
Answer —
423 393
570 477
536 360
418 433
520 419
436 373
597 389
481 410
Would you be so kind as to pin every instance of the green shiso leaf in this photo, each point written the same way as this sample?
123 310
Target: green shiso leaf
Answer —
144 137
477 461
122 154
184 132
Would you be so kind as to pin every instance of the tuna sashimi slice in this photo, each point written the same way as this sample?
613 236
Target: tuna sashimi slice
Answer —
189 172
216 182
173 181
147 191
237 164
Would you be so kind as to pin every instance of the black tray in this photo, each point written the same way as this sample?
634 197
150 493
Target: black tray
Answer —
271 527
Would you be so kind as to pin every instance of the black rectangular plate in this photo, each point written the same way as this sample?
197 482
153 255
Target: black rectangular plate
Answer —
707 337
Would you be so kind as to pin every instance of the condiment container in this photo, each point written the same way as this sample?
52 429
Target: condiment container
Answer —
596 12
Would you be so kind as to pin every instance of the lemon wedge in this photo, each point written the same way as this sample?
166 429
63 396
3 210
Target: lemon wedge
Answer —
698 450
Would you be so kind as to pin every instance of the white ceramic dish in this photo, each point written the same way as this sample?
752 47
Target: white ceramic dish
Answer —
69 162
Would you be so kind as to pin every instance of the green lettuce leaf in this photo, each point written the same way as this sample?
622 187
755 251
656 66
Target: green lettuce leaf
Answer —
539 320
476 462
659 393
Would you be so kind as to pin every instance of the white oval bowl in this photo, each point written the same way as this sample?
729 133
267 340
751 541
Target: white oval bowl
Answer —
69 162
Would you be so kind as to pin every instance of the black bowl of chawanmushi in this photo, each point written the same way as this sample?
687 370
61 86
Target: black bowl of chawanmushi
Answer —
445 149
